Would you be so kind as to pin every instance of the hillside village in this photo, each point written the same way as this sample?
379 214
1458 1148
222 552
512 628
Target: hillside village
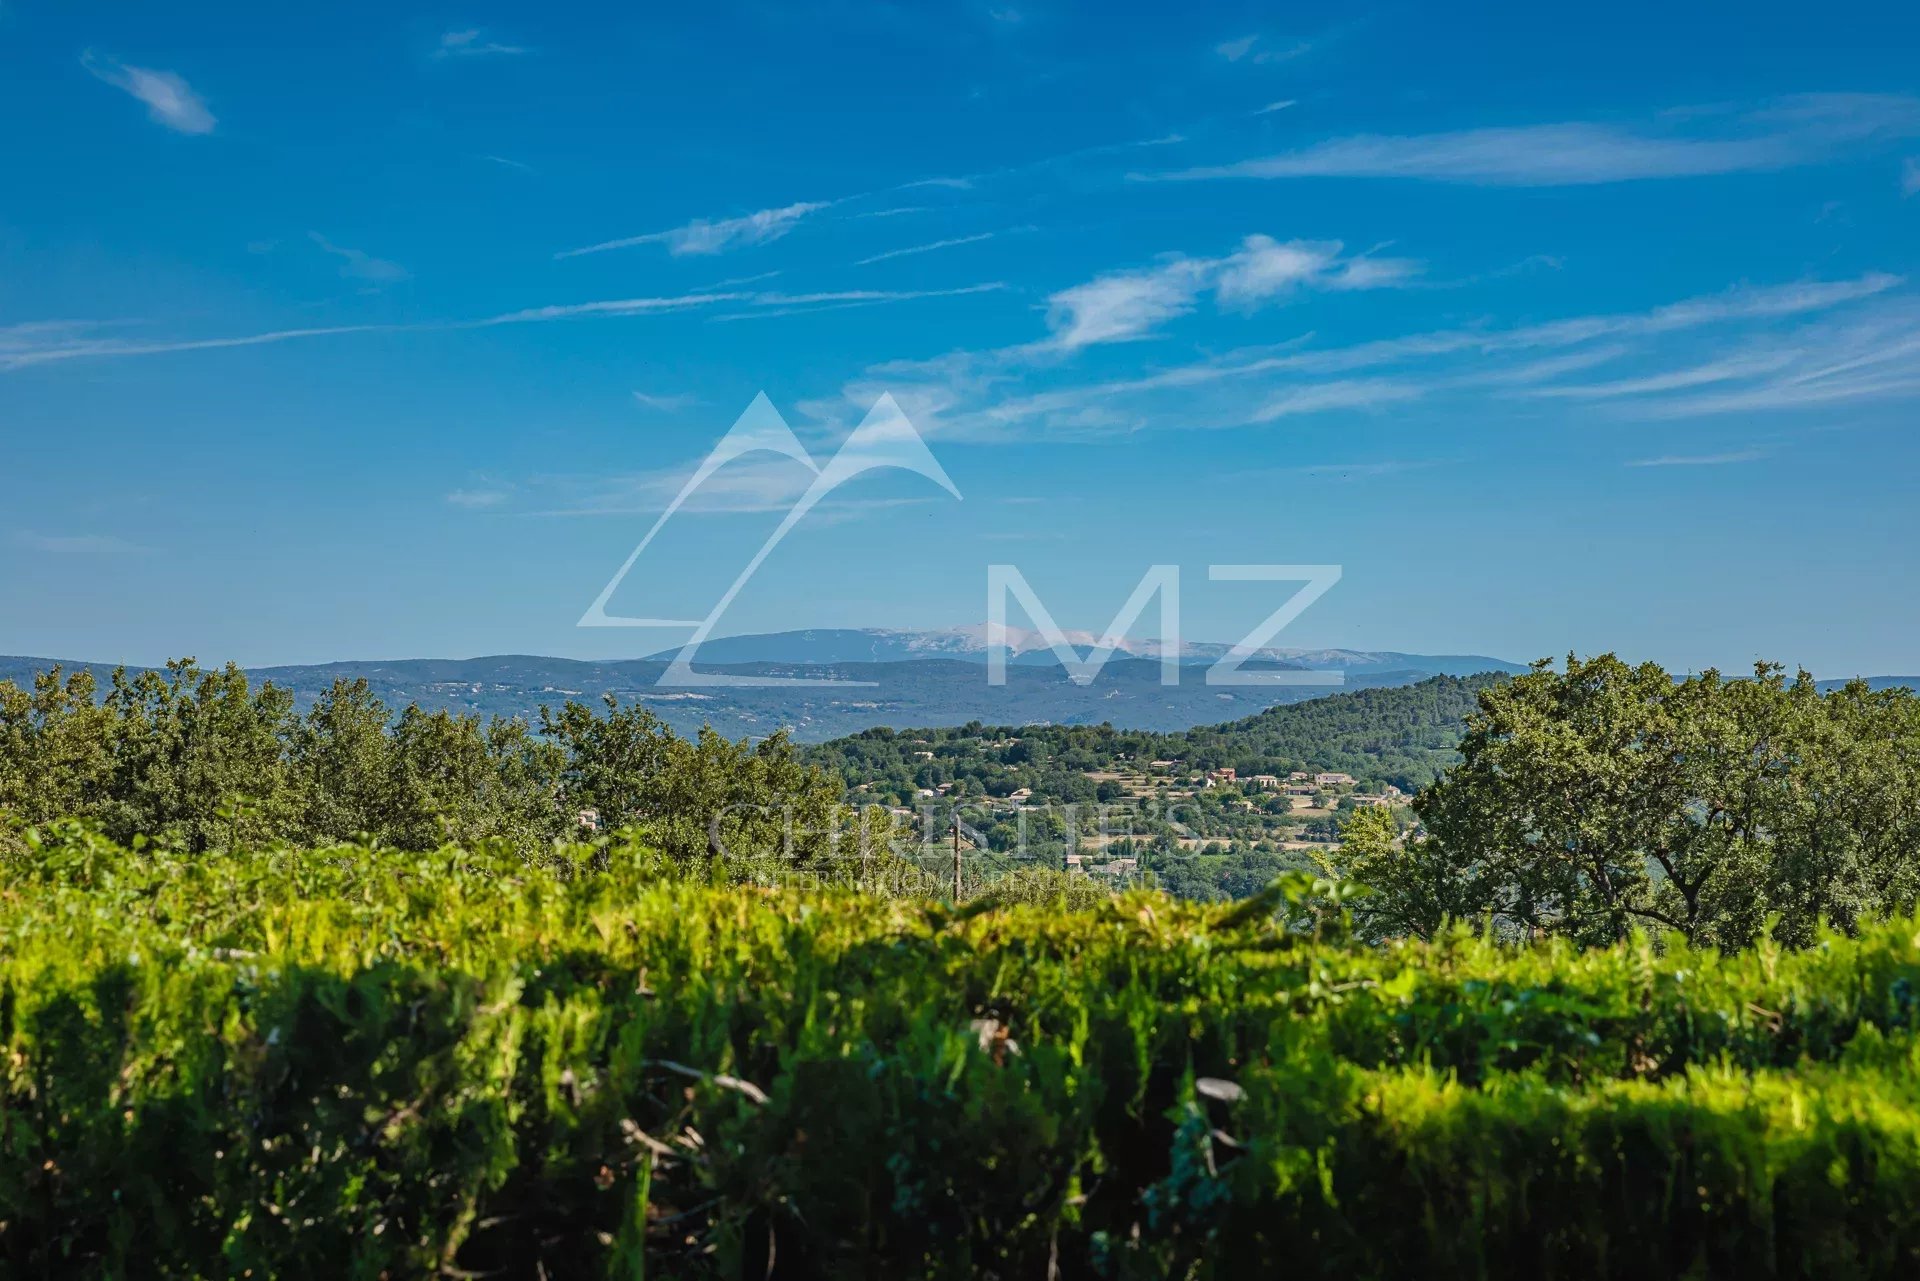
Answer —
1160 808
1205 813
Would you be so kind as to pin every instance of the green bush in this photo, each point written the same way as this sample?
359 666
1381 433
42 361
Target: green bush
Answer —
351 1062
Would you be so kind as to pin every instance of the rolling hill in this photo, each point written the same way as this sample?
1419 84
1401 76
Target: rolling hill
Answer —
1405 735
926 691
973 644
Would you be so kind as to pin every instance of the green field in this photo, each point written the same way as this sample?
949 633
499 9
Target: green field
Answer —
349 1062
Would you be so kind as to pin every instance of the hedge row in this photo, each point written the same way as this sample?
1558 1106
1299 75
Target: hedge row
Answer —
353 1063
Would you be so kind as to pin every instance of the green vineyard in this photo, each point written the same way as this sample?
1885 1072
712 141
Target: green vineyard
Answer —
356 1063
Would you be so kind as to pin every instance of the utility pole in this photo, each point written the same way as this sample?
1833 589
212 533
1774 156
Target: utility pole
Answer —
956 852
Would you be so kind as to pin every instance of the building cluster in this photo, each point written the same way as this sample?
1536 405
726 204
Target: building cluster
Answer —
1093 865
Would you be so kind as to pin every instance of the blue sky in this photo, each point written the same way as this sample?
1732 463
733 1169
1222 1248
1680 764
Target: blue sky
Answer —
380 335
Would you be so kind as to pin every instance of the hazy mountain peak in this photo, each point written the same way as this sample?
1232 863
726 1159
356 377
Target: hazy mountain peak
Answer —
973 642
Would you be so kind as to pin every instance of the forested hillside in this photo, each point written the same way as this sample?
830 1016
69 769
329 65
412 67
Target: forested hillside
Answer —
1402 736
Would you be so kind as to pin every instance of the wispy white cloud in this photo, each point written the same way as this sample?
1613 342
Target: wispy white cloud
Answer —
31 335
1527 266
1541 155
708 236
1039 165
1264 267
736 281
45 342
871 295
169 99
1365 393
755 484
1714 371
1762 303
22 346
745 486
1364 470
1884 373
1793 131
769 303
778 304
925 249
1280 105
703 237
665 402
80 544
1790 394
1701 460
750 484
1125 305
505 163
612 307
991 396
1258 50
360 265
477 499
1732 306
1533 373
469 43
1868 355
1298 49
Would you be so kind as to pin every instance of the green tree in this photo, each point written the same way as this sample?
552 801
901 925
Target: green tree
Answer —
342 763
703 799
56 749
199 758
1413 890
1606 797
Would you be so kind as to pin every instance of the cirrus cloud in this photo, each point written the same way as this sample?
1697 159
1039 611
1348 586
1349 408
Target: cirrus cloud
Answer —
704 237
169 99
1124 305
1792 131
469 44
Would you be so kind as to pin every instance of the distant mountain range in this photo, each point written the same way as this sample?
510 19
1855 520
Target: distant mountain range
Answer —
974 644
882 677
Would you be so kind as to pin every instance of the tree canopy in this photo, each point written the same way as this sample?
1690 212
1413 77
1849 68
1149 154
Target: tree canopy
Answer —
203 760
1604 797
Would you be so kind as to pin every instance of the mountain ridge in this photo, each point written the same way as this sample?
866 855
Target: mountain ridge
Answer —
925 691
975 642
1127 693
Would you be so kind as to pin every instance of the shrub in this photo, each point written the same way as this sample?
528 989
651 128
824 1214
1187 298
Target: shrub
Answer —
349 1062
